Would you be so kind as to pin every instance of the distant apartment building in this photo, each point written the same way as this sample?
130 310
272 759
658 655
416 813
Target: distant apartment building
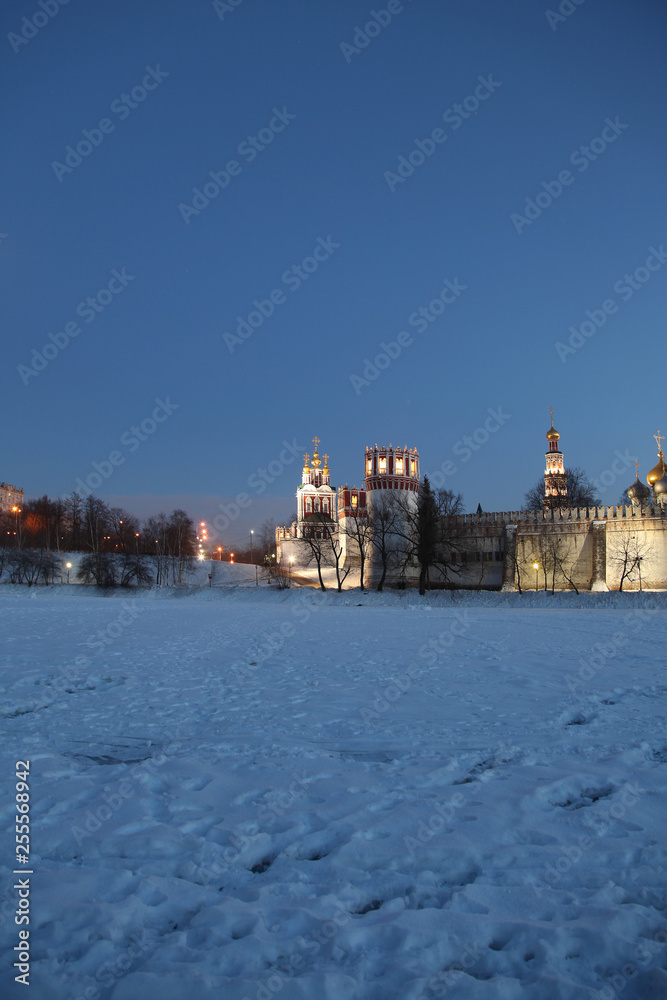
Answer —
10 497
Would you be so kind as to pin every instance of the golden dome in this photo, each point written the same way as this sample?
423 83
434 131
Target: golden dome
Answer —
552 433
658 471
306 467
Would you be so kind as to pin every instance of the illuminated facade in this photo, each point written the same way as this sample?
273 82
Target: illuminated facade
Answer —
11 497
590 548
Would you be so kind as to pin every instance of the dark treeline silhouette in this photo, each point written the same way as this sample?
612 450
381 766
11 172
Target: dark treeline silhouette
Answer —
117 546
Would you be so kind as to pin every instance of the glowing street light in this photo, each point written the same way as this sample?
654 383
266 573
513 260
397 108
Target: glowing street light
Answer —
68 566
536 567
251 534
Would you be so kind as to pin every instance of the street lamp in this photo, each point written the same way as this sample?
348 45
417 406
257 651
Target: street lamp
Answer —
69 566
220 551
251 534
231 557
536 567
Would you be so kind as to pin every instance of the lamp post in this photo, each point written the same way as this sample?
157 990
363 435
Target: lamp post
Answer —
536 567
68 566
251 534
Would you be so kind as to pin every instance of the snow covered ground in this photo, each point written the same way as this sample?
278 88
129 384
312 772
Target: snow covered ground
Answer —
244 793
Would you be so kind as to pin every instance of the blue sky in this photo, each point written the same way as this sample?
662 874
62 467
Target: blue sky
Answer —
331 125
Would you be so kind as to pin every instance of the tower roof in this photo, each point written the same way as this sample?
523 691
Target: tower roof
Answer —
552 433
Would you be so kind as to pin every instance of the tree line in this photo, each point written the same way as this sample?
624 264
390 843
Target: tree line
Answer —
117 547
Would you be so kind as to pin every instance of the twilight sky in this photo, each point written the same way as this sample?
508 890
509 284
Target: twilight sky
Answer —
259 199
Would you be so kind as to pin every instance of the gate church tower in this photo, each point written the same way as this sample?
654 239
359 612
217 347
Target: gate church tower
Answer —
315 497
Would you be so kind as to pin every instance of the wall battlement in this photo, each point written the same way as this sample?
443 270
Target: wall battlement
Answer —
602 513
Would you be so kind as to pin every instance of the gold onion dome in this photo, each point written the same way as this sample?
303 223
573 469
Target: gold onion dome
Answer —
552 433
657 472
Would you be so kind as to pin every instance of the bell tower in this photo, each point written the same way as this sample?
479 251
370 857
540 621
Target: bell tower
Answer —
555 480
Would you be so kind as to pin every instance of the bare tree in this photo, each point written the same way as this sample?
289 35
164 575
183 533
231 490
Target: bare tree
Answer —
627 552
382 517
336 549
315 539
581 492
430 533
358 527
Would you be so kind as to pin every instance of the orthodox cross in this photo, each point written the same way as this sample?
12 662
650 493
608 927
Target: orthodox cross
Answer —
636 465
551 411
659 439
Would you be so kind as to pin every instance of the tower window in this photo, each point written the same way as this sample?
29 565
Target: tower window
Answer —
354 501
369 466
383 466
399 466
413 466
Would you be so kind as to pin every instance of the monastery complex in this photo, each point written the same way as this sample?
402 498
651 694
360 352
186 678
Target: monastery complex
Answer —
558 547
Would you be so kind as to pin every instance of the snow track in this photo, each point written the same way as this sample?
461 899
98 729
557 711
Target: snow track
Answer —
265 794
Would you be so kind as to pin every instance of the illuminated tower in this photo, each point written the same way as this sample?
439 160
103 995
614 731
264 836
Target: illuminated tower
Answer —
315 498
555 480
392 488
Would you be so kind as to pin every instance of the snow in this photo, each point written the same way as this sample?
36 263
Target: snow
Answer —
245 793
